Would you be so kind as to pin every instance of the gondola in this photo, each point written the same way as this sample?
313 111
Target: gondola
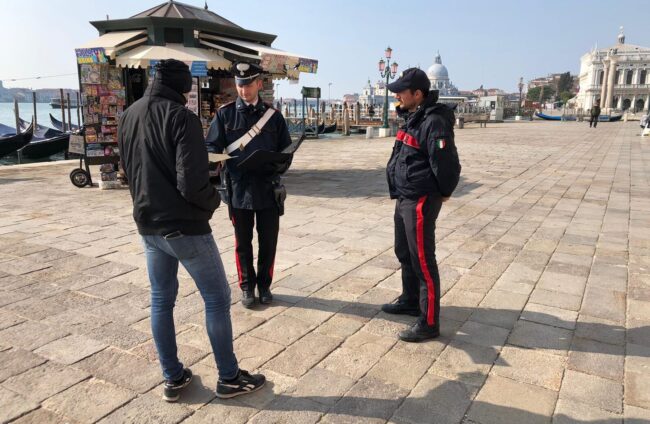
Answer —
59 125
321 128
45 142
330 128
41 131
11 143
601 118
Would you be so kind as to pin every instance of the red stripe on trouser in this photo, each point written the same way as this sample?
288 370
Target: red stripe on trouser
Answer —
423 261
271 269
237 254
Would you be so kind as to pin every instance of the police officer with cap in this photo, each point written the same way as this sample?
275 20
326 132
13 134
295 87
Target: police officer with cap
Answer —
422 172
240 128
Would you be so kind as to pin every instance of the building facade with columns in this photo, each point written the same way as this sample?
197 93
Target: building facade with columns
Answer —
373 94
618 77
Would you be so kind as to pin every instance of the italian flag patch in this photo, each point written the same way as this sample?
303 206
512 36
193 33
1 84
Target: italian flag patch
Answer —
441 143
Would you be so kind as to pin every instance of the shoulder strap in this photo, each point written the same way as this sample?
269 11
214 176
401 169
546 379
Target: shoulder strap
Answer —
243 141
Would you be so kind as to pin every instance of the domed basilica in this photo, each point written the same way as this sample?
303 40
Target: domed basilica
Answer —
439 77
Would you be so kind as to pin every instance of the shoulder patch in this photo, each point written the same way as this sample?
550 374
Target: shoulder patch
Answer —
226 104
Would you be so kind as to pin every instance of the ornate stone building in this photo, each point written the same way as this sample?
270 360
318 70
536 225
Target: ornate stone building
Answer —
617 76
374 94
439 77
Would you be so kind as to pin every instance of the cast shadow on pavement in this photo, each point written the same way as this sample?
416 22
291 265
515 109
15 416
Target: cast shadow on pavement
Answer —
349 183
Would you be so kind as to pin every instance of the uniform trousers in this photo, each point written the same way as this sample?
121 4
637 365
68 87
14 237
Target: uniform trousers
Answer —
268 226
415 248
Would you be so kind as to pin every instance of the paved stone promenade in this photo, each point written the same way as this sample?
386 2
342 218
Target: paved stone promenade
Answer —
544 253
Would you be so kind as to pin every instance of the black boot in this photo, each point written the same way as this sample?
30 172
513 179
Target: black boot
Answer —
265 296
419 333
400 308
247 298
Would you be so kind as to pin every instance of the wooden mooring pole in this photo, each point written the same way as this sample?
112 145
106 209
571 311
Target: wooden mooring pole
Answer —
62 109
35 119
69 117
17 115
79 109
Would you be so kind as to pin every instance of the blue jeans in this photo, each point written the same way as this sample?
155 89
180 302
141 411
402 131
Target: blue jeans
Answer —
200 257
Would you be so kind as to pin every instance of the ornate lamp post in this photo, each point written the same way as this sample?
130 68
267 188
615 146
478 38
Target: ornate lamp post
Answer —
521 88
388 71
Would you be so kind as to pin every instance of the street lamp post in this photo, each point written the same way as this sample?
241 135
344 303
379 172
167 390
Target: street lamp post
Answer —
388 71
521 88
329 92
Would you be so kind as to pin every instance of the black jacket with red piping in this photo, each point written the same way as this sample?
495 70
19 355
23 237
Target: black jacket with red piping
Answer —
424 160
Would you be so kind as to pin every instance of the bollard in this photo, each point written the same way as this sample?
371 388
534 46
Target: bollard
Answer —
370 132
460 122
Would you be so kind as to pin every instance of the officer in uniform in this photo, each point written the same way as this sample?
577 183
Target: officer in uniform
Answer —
422 172
251 195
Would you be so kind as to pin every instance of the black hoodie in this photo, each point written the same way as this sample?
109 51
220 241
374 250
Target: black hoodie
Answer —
166 162
424 160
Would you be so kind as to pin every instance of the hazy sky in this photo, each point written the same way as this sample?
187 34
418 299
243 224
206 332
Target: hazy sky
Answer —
481 42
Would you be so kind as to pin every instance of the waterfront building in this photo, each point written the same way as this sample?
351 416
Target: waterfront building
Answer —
618 76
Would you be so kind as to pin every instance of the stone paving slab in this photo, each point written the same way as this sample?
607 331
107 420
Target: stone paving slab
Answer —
544 257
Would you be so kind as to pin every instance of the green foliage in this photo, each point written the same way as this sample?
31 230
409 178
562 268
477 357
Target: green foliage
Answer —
534 93
565 83
565 96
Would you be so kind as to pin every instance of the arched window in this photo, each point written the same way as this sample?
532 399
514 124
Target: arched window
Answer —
638 106
626 104
644 77
628 76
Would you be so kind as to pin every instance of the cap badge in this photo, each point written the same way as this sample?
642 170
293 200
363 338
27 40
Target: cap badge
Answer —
242 68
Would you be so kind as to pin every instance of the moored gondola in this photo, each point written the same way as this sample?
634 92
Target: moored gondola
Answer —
45 142
59 125
42 148
330 128
11 143
40 131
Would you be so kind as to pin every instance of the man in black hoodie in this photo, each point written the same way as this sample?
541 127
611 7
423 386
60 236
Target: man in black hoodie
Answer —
422 172
166 163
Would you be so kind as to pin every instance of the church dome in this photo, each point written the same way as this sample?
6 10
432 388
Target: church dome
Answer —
437 70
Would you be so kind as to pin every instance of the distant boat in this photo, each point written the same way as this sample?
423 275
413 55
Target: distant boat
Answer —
59 125
45 142
601 118
10 143
555 117
56 103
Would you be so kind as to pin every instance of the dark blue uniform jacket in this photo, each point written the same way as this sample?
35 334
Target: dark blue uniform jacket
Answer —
424 159
249 190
